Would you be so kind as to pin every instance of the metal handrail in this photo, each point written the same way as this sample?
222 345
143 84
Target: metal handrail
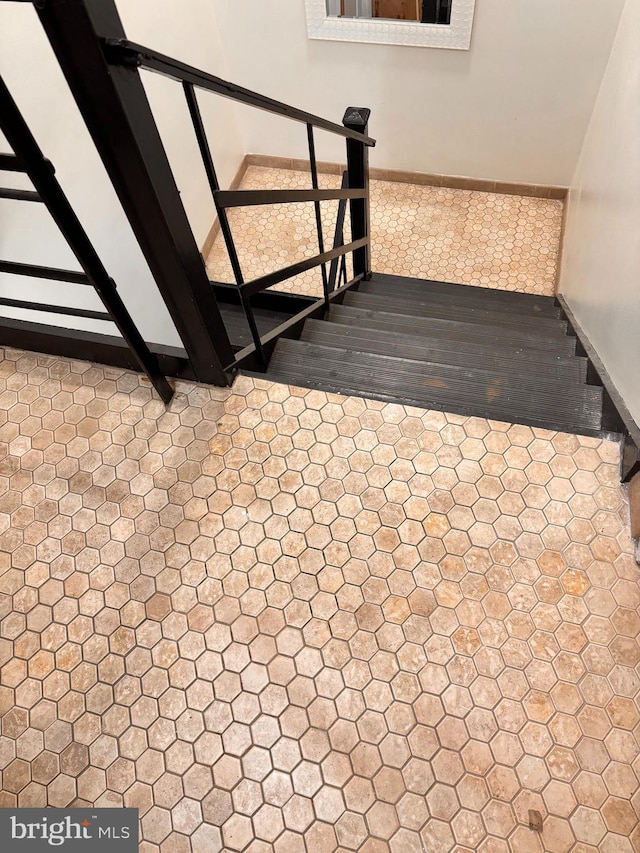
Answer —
47 308
249 198
51 273
123 51
286 329
332 290
19 195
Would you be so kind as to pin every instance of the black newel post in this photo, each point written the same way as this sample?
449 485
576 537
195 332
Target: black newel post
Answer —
357 118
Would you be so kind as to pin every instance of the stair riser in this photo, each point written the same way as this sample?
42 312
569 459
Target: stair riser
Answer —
454 348
448 388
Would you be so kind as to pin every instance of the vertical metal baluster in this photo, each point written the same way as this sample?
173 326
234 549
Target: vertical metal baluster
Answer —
223 219
338 238
314 183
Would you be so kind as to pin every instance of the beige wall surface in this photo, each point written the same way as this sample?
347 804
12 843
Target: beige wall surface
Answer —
31 71
188 32
515 107
600 274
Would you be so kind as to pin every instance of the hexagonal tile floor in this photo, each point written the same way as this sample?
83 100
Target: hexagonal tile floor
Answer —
490 240
276 620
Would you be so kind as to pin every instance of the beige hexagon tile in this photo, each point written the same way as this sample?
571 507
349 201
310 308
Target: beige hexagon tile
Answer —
503 242
274 619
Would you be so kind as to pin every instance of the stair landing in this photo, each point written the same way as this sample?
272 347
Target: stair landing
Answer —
488 240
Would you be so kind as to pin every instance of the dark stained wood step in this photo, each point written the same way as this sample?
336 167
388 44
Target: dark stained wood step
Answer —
475 297
559 344
237 327
498 396
507 299
452 310
542 364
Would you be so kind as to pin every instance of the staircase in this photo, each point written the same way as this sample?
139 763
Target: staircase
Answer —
465 350
469 351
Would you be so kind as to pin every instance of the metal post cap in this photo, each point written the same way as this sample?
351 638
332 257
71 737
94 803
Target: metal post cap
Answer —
356 116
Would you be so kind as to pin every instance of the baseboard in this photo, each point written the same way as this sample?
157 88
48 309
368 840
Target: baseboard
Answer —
419 178
207 246
563 231
272 162
615 415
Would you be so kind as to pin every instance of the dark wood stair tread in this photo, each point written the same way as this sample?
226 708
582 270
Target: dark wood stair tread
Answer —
509 299
493 300
462 391
560 344
237 327
452 310
529 362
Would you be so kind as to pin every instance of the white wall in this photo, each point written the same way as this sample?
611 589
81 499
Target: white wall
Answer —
188 32
26 233
600 274
514 107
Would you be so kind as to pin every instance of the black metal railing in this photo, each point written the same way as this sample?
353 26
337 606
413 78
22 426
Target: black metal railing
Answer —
28 159
121 51
129 54
102 68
